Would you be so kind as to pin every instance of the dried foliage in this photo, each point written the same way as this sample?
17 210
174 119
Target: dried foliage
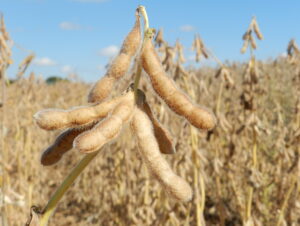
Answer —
255 114
120 191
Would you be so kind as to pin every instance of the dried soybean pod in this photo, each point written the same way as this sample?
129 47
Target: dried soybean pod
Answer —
119 66
157 165
51 119
197 47
3 28
163 137
62 144
228 78
167 90
246 35
106 130
290 47
245 46
179 49
24 65
4 46
159 40
256 29
252 42
26 61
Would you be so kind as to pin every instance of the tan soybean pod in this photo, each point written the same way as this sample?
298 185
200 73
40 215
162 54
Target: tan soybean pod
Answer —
26 61
167 90
252 42
51 119
119 66
159 40
3 45
3 28
106 130
163 137
256 29
245 46
24 65
157 165
62 144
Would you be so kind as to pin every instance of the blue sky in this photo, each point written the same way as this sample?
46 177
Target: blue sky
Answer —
81 35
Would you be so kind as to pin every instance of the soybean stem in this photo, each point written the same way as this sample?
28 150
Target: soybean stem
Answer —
59 193
137 79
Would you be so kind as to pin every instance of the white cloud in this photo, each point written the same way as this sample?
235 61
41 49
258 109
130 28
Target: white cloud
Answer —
69 26
90 1
109 51
67 69
187 28
44 61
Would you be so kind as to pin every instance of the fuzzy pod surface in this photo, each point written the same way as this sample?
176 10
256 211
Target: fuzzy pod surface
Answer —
51 119
119 66
162 135
106 130
175 186
167 90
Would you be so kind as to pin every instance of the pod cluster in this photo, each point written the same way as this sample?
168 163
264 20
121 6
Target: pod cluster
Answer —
89 128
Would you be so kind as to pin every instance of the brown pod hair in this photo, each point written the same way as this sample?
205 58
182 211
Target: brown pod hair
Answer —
62 144
106 130
157 165
167 90
119 66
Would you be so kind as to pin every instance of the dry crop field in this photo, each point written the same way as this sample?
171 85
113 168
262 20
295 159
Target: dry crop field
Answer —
245 171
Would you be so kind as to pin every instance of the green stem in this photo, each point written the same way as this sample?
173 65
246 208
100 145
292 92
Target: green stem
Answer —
137 80
56 197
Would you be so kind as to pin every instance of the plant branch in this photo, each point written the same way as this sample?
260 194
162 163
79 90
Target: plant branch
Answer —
59 193
143 12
